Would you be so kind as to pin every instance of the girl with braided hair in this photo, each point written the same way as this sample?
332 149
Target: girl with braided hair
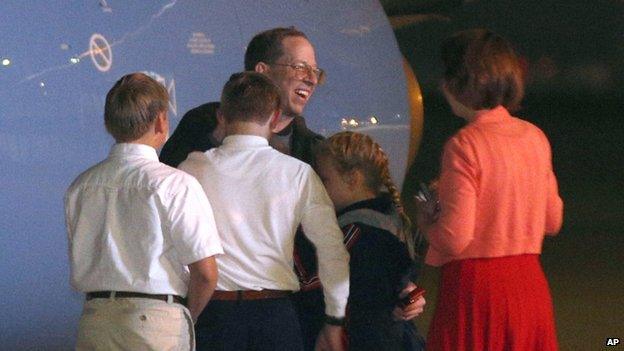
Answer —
377 232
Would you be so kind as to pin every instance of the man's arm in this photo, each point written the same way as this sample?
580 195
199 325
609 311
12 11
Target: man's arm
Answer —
203 282
179 145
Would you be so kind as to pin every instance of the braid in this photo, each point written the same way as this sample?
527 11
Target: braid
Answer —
405 235
349 151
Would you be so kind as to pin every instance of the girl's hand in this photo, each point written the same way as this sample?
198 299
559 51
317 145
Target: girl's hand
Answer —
412 310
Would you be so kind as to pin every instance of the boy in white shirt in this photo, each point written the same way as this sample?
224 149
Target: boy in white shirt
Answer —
134 225
260 196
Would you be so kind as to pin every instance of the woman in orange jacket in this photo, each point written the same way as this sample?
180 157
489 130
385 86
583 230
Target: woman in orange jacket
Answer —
498 197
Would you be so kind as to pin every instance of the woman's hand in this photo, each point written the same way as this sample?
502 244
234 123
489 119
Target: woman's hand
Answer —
427 207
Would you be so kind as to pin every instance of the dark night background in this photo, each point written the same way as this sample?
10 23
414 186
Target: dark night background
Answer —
574 53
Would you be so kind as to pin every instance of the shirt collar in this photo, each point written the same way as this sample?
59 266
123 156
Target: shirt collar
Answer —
245 140
382 203
496 114
131 149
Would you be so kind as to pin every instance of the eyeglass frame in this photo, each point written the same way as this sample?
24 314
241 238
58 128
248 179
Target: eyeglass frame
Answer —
319 73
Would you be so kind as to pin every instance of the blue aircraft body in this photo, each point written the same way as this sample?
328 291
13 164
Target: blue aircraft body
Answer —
59 58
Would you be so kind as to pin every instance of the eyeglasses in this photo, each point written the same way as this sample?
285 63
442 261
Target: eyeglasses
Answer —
303 70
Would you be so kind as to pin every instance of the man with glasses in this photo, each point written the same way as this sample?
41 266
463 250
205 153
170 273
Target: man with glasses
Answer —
287 57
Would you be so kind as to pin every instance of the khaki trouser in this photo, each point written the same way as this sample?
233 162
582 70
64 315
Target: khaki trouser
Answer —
135 324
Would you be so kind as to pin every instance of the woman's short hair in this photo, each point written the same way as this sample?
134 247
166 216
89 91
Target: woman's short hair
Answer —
249 97
482 70
132 105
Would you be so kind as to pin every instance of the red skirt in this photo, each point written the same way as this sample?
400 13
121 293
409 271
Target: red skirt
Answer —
492 304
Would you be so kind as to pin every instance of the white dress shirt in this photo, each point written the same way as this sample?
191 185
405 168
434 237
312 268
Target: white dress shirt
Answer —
134 224
259 197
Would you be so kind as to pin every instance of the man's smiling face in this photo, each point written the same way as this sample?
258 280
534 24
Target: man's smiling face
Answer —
297 86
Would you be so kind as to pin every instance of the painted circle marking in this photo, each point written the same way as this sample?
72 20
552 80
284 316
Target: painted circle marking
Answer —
100 52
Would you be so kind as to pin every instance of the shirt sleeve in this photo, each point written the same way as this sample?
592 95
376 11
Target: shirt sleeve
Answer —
68 216
192 226
321 227
454 230
554 206
70 233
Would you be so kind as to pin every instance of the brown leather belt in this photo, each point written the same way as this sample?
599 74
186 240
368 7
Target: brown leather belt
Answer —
128 294
238 295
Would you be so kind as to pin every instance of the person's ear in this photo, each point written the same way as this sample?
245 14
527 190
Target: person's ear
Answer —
279 122
261 67
219 131
161 124
220 118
